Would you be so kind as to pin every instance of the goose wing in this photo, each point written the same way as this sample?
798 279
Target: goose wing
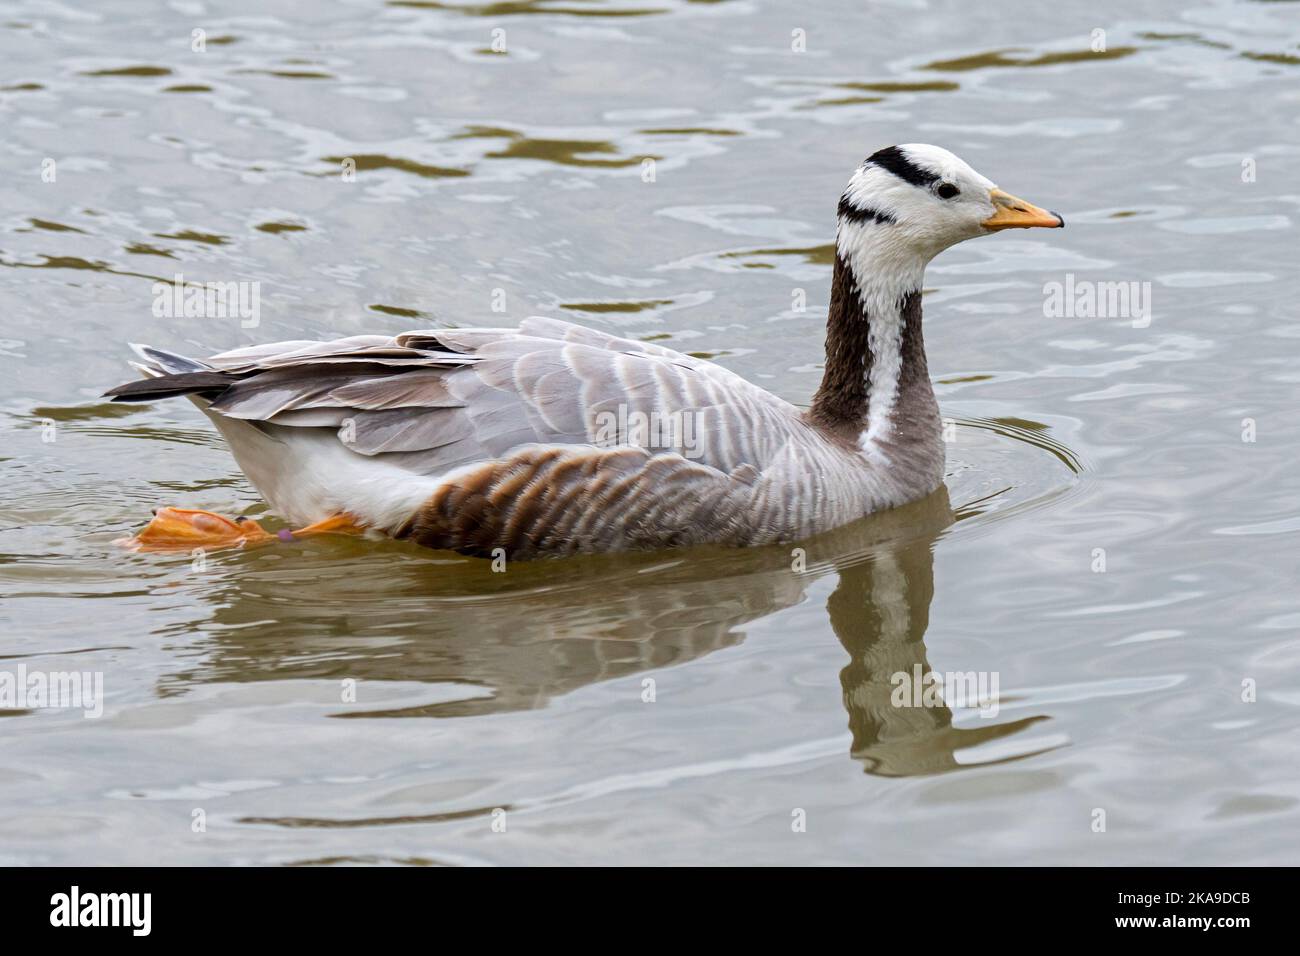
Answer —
433 400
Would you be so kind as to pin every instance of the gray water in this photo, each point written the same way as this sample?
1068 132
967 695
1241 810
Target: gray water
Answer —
1116 545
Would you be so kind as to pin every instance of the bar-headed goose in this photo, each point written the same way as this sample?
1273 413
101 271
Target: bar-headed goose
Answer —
553 438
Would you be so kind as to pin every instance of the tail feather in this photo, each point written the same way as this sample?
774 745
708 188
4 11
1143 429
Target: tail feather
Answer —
169 361
167 385
167 375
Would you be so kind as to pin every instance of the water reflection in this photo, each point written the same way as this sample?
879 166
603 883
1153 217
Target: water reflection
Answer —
499 642
562 152
1003 59
880 612
508 8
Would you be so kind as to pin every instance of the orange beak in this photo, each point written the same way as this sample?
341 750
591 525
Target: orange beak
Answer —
1013 213
179 529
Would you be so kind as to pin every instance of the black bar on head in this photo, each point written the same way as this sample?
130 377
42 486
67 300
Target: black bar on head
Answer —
894 160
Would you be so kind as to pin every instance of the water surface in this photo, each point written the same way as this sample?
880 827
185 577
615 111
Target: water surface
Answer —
1108 544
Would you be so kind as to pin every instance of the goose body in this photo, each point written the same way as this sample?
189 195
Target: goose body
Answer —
552 438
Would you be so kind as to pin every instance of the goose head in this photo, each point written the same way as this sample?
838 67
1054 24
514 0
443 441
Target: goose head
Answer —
903 206
911 202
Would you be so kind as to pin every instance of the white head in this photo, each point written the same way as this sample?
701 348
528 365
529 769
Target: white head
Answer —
904 206
921 199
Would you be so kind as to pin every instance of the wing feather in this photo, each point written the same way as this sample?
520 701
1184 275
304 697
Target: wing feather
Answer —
434 399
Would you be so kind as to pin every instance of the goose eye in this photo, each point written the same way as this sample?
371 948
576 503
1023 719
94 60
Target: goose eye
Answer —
946 190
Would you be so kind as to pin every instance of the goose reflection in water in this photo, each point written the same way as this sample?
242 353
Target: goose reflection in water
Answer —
516 640
880 611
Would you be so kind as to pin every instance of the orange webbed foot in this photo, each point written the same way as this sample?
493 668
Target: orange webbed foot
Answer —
182 529
335 524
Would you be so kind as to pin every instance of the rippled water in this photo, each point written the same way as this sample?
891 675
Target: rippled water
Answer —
509 169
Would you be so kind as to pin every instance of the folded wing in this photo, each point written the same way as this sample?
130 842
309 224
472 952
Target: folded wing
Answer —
433 400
